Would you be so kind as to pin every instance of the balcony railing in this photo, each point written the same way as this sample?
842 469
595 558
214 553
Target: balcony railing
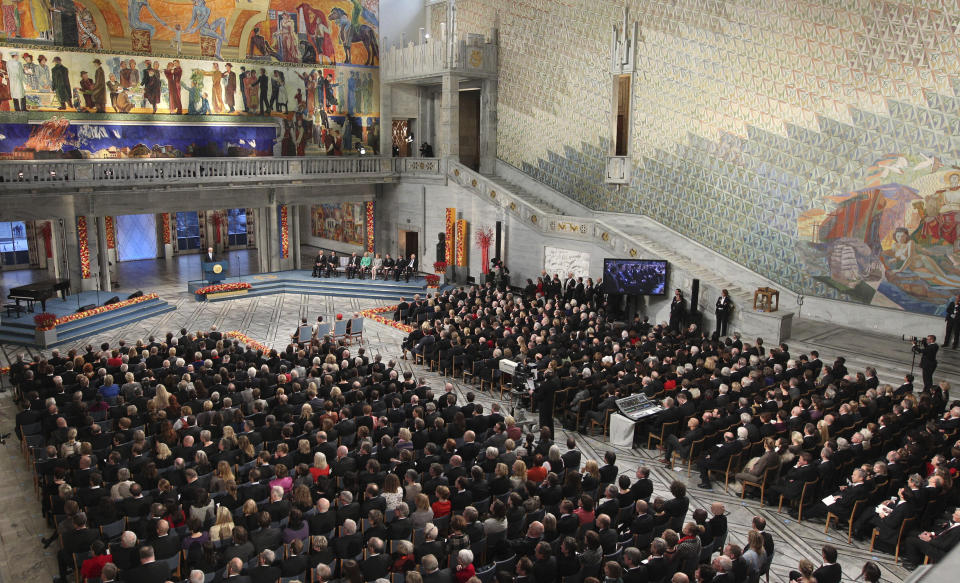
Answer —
472 56
41 174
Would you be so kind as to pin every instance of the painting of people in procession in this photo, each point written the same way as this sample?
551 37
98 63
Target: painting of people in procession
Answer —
892 242
344 222
311 68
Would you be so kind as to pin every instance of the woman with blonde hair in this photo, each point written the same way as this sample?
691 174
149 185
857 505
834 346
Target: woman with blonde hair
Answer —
223 525
423 514
163 457
162 398
320 466
519 476
222 475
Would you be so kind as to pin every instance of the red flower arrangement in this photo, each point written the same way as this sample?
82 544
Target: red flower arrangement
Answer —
222 287
432 280
84 247
370 229
111 234
440 266
45 321
102 309
284 233
374 314
165 222
237 335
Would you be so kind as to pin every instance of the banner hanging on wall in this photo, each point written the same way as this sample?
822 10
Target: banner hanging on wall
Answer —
284 231
451 229
462 243
111 233
84 247
370 226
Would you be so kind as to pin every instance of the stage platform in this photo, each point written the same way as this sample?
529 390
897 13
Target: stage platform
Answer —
20 328
302 282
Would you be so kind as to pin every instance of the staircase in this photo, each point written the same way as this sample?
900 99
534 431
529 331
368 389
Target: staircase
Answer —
525 195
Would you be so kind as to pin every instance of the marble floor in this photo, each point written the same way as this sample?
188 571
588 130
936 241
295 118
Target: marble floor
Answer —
271 320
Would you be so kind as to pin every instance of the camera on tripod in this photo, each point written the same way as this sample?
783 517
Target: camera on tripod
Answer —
919 343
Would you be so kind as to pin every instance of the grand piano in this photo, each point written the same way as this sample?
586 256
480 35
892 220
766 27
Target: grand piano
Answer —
40 291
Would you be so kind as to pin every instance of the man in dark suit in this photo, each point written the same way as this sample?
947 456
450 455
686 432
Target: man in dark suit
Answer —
323 520
210 255
233 572
266 537
432 573
544 564
724 307
265 571
928 359
717 458
843 501
952 317
349 543
634 570
571 459
149 570
77 540
830 571
165 544
354 266
377 564
791 484
933 545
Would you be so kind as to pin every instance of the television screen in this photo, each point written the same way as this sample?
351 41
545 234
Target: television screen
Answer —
635 276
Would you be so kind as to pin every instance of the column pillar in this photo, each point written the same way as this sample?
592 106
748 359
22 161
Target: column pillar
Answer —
488 126
386 118
427 133
448 134
271 236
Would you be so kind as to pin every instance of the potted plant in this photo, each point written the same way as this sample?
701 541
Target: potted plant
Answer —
433 281
45 331
440 268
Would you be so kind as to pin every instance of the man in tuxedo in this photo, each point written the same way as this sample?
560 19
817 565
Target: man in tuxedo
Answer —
149 570
401 268
354 266
717 458
953 322
724 307
928 359
844 501
332 264
319 264
830 571
791 484
209 255
931 544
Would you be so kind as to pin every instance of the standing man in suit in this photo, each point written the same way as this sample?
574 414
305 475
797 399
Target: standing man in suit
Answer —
830 571
928 359
678 310
210 255
724 307
953 322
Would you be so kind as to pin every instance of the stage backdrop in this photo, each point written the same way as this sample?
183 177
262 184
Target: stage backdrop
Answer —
309 68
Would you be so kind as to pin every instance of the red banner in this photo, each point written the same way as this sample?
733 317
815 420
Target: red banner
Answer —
462 243
111 234
451 234
370 230
84 247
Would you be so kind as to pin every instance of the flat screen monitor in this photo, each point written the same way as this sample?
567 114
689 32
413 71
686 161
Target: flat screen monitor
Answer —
642 277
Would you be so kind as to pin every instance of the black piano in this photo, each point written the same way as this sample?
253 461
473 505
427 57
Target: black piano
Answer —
40 291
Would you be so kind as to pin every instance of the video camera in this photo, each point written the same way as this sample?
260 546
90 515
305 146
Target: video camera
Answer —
919 343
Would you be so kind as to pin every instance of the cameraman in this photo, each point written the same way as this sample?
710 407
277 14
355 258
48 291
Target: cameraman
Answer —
927 348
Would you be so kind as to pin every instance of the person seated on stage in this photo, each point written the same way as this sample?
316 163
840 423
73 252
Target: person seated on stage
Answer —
376 267
352 265
366 262
411 267
389 266
332 264
319 264
401 268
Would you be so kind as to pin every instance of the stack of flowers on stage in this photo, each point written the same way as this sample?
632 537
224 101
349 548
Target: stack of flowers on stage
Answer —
374 314
440 267
102 309
237 335
45 321
223 290
432 280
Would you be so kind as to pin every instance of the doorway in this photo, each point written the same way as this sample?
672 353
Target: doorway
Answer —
401 137
409 242
470 129
136 237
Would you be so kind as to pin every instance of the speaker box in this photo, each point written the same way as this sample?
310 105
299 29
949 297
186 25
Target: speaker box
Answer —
86 308
135 294
695 296
112 300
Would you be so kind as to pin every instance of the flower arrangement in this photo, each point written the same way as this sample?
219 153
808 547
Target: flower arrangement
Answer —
103 309
222 287
440 266
45 321
284 233
84 247
374 314
433 280
484 239
370 226
237 335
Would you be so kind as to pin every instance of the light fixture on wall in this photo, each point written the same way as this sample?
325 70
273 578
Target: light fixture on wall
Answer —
363 150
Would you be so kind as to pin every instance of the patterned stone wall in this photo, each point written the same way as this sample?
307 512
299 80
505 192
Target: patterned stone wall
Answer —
811 141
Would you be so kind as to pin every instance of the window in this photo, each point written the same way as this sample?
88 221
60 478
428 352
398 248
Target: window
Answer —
188 231
622 87
237 227
13 243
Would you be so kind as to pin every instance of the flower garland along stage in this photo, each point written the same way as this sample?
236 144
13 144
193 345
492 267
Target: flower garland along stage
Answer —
100 310
237 335
374 314
84 247
223 290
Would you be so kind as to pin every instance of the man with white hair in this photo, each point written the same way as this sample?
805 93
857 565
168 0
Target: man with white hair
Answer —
265 571
350 543
322 573
196 576
377 564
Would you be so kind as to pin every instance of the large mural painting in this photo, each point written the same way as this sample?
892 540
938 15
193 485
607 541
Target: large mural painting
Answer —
308 67
344 222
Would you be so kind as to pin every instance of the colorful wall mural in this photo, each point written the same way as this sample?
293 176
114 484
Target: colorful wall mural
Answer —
310 67
344 222
799 139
